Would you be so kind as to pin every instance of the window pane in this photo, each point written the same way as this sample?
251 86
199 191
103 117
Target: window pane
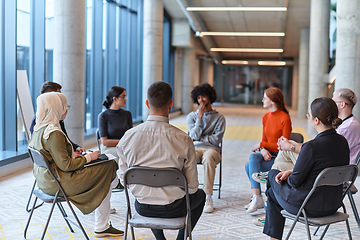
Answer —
22 58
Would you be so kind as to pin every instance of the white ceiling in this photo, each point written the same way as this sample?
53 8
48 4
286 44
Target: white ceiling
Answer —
291 22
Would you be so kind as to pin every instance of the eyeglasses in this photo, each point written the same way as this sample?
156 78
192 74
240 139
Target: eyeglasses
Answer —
124 97
341 102
308 115
68 107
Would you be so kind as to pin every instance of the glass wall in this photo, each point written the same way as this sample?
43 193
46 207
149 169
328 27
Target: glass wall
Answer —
246 84
113 57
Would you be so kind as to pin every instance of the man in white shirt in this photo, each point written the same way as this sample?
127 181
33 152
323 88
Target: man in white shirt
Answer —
156 143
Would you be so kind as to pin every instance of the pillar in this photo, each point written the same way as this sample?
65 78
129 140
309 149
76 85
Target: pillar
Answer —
208 71
152 46
303 105
188 79
295 84
348 48
319 50
69 61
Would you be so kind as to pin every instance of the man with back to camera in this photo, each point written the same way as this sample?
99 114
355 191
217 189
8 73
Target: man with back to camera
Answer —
55 87
162 145
206 128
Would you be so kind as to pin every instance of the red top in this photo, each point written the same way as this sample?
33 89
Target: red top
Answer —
275 125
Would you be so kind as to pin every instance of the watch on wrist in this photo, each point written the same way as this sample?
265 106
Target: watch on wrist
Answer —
292 148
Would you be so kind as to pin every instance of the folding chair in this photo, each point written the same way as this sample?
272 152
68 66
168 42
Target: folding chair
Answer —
333 176
156 177
41 161
217 186
353 190
297 137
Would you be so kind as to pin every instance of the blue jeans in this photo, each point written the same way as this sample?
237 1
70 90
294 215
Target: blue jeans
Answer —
257 163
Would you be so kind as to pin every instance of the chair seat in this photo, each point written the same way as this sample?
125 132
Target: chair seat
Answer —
319 221
46 197
157 223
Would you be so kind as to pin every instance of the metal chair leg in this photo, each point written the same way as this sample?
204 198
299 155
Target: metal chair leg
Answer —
353 206
28 203
62 210
30 216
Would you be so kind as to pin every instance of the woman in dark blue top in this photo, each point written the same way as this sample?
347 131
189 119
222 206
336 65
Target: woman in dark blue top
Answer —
287 190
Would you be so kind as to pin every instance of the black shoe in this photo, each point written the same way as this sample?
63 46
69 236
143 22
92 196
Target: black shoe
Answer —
111 231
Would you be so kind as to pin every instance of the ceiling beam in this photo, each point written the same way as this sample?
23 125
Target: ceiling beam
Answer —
196 25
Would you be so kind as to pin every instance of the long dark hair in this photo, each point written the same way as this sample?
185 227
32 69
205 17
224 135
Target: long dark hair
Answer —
115 91
276 95
326 111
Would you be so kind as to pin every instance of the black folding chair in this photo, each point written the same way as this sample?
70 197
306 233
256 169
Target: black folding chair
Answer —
156 177
41 161
333 176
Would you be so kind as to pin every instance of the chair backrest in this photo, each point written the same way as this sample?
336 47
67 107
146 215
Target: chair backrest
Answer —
155 177
40 160
297 137
98 141
334 176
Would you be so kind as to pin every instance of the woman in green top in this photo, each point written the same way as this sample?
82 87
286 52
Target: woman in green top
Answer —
87 188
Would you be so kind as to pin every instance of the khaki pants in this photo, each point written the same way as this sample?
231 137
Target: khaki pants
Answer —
285 160
209 158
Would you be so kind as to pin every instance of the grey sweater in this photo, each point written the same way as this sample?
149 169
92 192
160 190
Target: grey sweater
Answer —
208 131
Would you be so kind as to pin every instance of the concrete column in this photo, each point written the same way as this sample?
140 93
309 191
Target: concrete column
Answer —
348 47
303 105
295 84
319 50
152 48
188 79
69 61
208 71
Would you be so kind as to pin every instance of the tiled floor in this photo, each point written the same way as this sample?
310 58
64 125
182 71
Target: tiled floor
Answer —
229 220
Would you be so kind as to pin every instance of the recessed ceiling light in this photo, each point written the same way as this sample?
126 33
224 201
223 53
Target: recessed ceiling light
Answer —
241 34
254 50
235 62
253 9
272 63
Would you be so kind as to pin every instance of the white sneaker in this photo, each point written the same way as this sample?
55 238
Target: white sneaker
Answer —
208 208
256 203
248 205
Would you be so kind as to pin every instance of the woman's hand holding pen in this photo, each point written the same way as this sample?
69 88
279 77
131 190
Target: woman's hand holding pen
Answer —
94 155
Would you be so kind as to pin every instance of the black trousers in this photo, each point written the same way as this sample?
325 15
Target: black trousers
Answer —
274 221
175 209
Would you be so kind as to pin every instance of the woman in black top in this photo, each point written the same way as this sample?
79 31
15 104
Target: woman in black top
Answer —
287 190
113 123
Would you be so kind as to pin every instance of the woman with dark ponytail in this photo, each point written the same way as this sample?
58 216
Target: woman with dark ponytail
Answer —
276 123
288 189
114 122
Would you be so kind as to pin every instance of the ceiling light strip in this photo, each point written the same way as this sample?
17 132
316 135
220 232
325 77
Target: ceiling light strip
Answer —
272 63
235 62
253 50
242 34
248 9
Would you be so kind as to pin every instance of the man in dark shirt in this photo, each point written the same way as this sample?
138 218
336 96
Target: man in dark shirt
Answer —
55 87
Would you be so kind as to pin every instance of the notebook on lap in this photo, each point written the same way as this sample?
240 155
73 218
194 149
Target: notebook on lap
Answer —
103 158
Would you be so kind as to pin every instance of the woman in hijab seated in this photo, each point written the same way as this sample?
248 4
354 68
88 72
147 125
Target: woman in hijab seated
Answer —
87 188
288 189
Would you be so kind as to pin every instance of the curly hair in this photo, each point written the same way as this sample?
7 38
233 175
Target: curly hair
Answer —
204 90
